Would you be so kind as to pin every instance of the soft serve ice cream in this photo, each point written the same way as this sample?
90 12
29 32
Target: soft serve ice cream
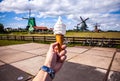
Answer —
59 31
59 27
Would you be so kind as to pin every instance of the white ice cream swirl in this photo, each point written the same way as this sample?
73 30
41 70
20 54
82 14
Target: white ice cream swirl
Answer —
59 27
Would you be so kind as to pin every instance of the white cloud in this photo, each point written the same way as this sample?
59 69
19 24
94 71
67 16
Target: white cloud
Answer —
17 18
2 16
15 25
98 11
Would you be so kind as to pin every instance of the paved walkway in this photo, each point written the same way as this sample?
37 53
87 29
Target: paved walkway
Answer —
22 62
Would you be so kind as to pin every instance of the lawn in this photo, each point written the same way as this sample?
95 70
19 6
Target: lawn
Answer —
94 34
11 42
71 34
77 34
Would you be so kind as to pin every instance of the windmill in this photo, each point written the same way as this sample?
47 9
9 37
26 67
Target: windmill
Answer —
96 27
77 28
83 24
29 14
31 22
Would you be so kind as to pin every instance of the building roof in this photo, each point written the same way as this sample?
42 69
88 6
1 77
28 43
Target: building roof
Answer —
40 28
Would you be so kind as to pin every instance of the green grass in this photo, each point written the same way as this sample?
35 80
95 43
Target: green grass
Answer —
74 34
73 44
94 34
11 42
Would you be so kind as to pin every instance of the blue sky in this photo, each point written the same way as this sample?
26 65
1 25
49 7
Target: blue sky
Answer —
106 13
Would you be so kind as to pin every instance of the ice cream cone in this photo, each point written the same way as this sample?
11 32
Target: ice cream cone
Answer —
59 39
59 31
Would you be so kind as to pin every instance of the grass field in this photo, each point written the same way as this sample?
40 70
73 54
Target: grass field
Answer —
72 34
93 34
11 42
75 34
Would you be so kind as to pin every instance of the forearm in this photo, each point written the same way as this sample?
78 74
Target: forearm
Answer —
42 76
52 65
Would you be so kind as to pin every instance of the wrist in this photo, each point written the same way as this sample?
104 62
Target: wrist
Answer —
49 70
44 76
48 64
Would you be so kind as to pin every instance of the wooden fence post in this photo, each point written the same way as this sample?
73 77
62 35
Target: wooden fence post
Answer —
23 38
33 38
44 39
7 37
73 39
1 37
15 37
108 42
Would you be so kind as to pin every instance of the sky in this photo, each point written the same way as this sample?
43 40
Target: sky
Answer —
104 12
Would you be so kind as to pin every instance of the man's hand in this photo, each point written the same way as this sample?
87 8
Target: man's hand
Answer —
54 59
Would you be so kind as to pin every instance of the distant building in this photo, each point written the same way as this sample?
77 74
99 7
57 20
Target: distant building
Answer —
96 28
40 28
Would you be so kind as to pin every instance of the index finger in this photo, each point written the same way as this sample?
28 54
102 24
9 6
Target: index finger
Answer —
52 46
64 47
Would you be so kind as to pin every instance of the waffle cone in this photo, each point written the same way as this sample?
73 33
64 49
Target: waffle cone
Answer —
59 39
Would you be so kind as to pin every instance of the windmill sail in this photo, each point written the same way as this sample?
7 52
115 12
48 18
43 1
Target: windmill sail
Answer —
83 24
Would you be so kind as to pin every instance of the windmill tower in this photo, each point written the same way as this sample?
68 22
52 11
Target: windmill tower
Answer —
96 28
31 22
83 24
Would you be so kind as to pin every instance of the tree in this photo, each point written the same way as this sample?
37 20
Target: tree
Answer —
1 28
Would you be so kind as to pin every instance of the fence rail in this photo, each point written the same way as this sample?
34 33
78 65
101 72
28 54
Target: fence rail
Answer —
108 42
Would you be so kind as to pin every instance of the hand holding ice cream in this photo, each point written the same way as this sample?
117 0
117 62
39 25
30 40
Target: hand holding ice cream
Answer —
59 31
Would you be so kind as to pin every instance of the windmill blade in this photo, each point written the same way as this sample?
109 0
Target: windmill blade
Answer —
29 13
98 25
86 19
25 18
81 18
85 24
83 21
80 23
77 25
